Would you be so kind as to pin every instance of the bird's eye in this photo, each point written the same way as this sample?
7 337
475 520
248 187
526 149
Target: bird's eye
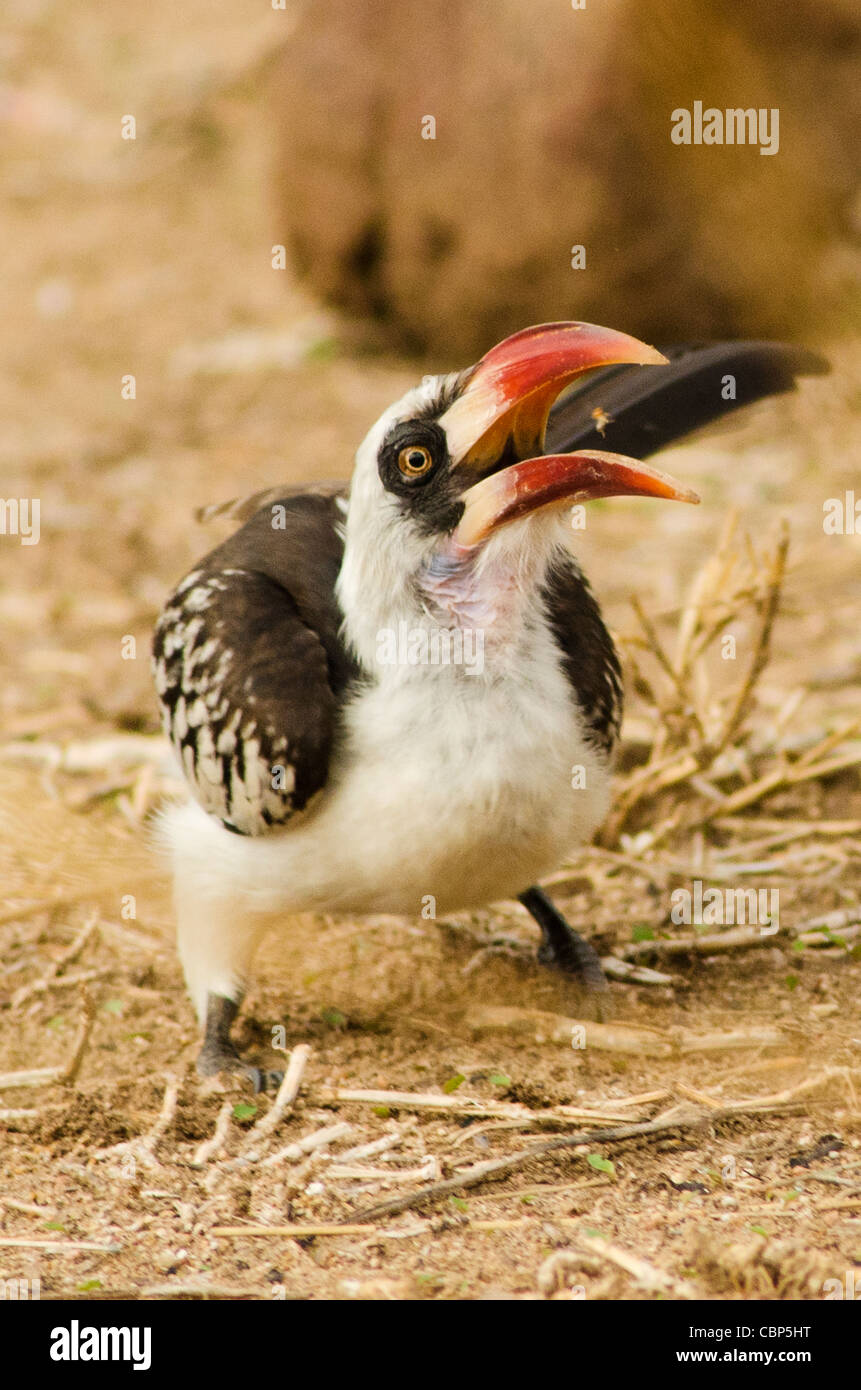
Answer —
415 460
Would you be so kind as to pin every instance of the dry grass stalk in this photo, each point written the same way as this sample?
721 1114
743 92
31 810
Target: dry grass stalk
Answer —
641 1099
38 1076
29 1208
820 938
698 1097
88 1017
579 1033
465 1105
311 1143
789 775
375 1147
618 1037
50 982
56 1076
142 1148
209 1147
59 1247
837 921
698 738
755 824
381 1176
709 944
202 1289
616 969
287 1093
845 1077
299 1232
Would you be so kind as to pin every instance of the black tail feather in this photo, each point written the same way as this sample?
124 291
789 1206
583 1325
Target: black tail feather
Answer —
650 408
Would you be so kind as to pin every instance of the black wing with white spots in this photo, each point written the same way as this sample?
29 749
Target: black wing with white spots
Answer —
249 666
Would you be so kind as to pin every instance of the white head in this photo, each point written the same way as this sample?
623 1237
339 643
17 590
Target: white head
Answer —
454 511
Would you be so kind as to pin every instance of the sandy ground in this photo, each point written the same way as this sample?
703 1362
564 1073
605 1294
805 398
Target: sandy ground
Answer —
151 258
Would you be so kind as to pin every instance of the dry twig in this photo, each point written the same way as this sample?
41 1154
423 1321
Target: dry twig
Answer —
52 1076
209 1147
287 1093
142 1148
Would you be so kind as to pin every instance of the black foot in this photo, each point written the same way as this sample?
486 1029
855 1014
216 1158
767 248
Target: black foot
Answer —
218 1052
561 946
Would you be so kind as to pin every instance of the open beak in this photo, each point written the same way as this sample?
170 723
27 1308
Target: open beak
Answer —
503 402
495 428
558 480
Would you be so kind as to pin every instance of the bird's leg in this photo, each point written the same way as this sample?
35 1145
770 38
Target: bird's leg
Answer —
562 946
218 1052
217 938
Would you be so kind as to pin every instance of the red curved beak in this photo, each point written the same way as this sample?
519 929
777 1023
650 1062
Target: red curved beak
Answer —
502 406
495 429
557 480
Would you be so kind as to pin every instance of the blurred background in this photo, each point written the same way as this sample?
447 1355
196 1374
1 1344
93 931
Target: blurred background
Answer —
552 128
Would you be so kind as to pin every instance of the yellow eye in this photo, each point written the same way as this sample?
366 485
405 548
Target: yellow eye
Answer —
415 460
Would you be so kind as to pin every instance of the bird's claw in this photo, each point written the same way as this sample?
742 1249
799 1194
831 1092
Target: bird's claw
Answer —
225 1059
271 1080
576 957
218 1053
561 946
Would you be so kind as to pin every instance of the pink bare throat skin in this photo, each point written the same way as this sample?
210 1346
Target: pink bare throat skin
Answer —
465 594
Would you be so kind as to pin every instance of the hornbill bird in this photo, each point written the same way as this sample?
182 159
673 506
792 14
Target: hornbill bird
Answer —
343 754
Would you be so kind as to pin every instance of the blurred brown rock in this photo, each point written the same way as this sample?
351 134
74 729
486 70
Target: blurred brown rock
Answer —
552 130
